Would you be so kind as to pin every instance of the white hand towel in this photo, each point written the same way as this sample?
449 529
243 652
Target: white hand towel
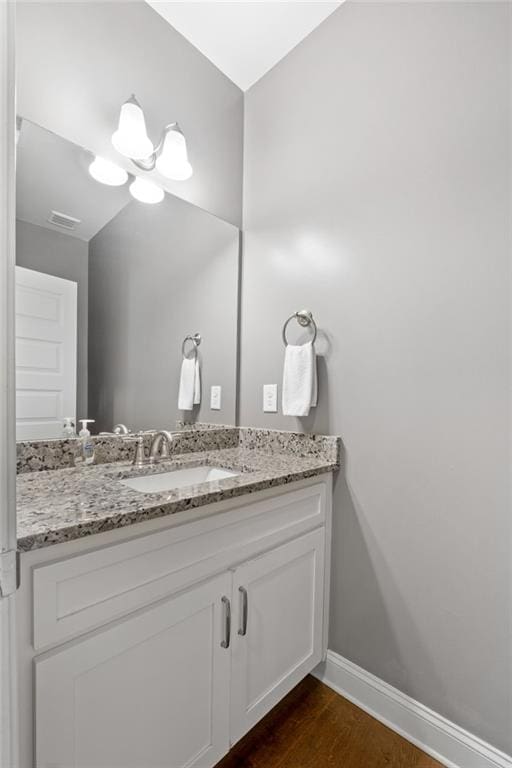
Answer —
300 385
190 384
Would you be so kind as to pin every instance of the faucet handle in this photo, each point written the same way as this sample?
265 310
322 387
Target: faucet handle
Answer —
139 457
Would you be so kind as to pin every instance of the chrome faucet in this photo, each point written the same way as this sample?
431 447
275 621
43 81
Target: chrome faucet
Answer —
161 446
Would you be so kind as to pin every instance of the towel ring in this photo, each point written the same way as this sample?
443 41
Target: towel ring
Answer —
195 339
305 318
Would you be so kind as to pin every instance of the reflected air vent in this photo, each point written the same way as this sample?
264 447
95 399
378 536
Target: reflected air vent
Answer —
63 220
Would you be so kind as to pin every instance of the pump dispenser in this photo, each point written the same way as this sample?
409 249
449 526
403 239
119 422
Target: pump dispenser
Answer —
87 443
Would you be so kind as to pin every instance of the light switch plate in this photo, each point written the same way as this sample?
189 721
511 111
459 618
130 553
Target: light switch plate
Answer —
215 397
270 398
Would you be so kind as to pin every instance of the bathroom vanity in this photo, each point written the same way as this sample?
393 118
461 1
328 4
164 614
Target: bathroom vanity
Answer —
156 628
164 608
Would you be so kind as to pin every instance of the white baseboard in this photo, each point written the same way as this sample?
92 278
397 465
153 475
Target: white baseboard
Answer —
443 740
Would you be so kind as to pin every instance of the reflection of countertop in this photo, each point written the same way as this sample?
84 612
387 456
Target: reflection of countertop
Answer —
64 504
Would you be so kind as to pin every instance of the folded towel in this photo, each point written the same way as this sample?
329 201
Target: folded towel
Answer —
300 385
190 384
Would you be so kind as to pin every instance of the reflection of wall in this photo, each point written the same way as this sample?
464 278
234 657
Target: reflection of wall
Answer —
77 62
157 273
377 161
58 254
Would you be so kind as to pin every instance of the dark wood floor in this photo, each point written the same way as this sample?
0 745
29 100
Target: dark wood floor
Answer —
313 727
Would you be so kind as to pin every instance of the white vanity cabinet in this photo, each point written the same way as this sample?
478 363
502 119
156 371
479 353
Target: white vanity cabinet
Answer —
161 651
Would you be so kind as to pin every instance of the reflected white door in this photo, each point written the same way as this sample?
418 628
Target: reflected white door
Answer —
46 339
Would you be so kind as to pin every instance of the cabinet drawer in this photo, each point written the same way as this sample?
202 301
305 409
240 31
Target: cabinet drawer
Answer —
80 593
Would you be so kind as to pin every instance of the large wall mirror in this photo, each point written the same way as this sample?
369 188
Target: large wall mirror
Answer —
107 290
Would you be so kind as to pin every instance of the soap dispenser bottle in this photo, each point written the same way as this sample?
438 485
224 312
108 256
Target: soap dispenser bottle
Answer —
68 430
87 443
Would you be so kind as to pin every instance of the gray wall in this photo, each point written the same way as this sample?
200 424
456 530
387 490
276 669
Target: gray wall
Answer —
377 195
64 256
93 55
156 274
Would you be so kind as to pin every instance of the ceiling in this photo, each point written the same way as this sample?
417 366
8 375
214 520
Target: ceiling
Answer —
52 175
244 39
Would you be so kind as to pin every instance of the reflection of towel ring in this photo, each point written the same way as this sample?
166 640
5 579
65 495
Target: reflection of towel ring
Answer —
195 339
304 317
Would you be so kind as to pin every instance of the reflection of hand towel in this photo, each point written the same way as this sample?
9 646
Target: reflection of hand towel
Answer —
300 386
190 384
197 383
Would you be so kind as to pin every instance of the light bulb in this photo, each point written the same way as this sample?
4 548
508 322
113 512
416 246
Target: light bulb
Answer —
131 139
180 172
107 173
173 161
145 191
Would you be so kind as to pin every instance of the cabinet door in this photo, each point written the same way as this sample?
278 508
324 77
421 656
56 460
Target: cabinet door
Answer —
279 640
149 692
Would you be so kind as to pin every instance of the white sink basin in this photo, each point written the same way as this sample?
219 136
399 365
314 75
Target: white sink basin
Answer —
177 478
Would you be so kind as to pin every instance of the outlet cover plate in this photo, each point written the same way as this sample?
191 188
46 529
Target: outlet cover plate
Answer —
215 397
270 398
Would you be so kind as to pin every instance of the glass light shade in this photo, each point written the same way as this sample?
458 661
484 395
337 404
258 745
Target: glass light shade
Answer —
107 173
173 160
131 139
145 191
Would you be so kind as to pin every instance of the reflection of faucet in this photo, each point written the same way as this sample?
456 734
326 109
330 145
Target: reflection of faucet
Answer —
161 446
119 429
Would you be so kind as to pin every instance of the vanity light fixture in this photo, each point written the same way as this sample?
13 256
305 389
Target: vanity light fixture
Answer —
107 173
131 139
145 191
169 157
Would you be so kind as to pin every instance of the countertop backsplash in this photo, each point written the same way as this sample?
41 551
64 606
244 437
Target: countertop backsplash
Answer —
41 455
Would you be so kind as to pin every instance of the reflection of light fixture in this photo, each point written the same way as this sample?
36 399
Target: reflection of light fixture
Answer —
131 139
169 157
145 191
107 173
173 159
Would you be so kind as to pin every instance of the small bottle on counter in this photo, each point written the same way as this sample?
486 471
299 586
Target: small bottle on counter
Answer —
68 430
86 442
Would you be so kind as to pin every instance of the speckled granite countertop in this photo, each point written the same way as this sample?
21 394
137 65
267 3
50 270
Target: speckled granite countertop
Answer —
64 504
